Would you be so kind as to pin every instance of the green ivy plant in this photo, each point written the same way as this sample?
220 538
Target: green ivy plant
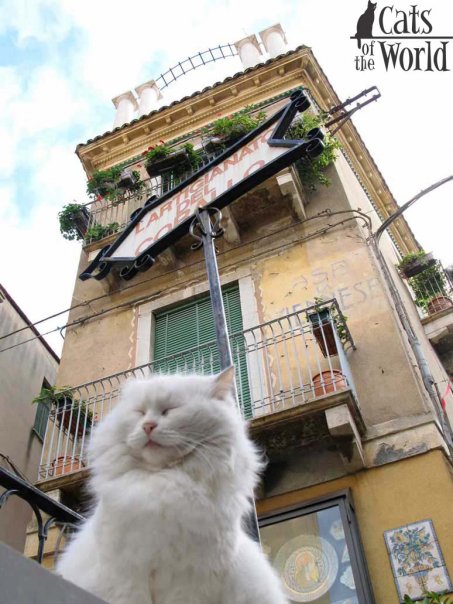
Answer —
429 598
195 157
50 395
99 231
67 218
312 172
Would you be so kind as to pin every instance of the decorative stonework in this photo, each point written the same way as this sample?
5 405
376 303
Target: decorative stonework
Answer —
416 559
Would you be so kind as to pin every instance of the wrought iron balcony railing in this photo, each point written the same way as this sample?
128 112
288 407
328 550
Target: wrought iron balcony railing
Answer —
286 362
116 209
432 290
47 511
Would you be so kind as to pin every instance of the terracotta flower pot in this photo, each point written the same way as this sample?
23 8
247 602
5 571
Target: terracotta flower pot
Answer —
63 466
439 303
323 332
329 381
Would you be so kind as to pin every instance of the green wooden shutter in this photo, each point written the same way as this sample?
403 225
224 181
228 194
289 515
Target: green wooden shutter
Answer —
185 340
41 417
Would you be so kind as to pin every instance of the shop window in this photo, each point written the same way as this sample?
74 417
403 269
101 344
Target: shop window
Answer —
317 552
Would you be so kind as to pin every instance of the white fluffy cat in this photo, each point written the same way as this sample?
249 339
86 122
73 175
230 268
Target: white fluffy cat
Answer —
173 475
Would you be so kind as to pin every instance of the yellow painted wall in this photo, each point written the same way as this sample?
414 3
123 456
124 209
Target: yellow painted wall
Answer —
418 488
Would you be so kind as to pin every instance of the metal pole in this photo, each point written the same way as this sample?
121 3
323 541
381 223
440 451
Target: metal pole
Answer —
205 230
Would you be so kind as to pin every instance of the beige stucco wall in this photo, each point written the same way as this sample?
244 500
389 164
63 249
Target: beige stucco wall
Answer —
385 498
287 275
22 371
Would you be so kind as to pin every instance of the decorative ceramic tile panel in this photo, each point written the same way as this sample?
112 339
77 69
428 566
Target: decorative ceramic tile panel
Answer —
416 559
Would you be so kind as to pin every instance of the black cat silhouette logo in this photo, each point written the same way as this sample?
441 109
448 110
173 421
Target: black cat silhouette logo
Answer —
365 23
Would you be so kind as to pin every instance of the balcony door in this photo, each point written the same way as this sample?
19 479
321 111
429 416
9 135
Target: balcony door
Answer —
185 341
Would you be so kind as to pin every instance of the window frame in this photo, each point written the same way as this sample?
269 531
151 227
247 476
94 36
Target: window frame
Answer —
342 499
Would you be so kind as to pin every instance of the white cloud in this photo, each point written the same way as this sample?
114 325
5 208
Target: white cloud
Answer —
116 47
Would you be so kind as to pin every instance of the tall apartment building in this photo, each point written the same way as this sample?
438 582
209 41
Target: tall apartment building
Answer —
336 367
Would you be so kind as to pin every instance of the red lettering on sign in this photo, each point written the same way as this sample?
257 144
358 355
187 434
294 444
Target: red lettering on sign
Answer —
152 218
215 172
231 161
163 231
245 151
143 245
198 184
166 207
139 227
254 167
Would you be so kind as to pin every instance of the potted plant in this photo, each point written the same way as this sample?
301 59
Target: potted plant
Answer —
71 414
328 381
430 289
99 231
73 219
227 130
65 464
414 263
323 320
312 172
104 182
161 158
129 180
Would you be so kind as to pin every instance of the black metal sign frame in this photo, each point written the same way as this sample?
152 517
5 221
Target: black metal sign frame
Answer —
308 148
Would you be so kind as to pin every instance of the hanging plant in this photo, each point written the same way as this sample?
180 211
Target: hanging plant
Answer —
104 182
312 172
430 289
73 221
415 263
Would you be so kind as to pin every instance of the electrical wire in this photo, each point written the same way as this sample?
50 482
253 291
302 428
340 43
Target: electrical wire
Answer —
319 232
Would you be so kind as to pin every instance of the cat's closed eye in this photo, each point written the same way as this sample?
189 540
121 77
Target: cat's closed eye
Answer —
166 411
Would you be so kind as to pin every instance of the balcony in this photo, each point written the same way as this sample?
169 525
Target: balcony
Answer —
287 368
432 291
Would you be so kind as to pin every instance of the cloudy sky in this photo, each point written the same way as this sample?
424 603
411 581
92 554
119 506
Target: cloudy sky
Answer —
61 62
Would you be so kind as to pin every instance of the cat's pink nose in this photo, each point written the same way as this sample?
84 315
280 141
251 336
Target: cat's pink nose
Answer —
148 427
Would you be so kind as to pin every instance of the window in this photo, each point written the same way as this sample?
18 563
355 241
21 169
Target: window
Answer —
316 549
185 340
42 415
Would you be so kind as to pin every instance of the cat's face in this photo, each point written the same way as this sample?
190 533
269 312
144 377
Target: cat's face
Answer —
372 5
162 420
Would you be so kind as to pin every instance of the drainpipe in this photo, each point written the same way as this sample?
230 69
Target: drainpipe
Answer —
414 342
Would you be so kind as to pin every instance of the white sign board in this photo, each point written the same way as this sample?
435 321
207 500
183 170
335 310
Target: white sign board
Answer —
207 188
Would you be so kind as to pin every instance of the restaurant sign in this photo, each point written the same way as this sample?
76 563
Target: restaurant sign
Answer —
162 221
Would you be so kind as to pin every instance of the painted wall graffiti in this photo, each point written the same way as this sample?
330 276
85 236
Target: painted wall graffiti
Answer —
336 280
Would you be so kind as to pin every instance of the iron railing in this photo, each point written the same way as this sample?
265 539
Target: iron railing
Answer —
282 363
117 209
47 511
432 290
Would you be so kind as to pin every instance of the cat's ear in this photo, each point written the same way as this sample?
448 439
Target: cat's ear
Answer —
223 386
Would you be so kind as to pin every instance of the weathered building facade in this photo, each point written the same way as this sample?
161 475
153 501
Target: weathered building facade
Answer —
336 389
23 372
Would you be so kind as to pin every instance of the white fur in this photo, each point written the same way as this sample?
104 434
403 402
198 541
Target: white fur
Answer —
167 526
